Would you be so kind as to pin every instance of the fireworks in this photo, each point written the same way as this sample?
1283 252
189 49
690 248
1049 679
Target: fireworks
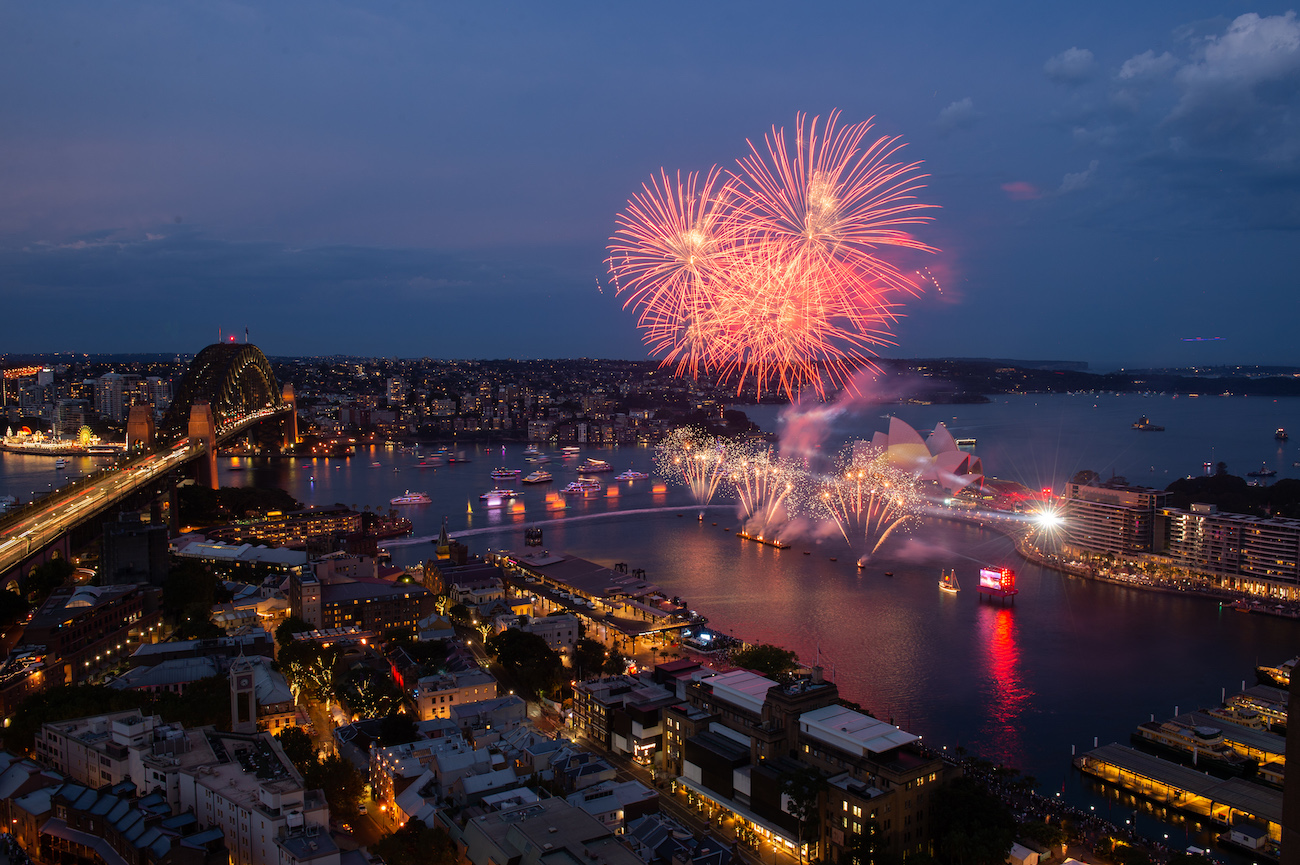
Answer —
691 456
773 274
867 497
768 490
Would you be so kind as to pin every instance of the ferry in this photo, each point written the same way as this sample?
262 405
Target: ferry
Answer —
410 498
594 465
1281 435
505 474
498 495
582 487
60 463
538 477
631 475
948 582
1264 472
1239 715
1203 747
1144 423
532 451
571 451
1277 677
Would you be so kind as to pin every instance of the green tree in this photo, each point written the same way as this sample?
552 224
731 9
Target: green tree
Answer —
459 614
1047 834
298 746
588 658
616 663
527 660
187 598
341 783
45 578
975 827
289 627
417 844
804 786
772 661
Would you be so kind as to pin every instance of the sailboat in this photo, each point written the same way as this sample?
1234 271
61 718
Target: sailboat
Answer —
948 582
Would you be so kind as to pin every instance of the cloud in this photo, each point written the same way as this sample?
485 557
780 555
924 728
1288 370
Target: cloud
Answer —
1075 182
1071 66
957 115
1146 65
1246 81
1021 190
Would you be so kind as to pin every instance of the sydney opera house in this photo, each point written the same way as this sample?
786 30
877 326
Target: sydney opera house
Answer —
936 459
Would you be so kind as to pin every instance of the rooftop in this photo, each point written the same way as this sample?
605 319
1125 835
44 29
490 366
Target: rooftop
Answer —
741 688
853 731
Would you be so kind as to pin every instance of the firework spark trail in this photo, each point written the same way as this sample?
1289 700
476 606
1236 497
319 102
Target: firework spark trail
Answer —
691 456
867 497
773 275
767 489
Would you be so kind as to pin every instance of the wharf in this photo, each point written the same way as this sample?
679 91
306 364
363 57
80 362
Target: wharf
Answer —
767 542
1223 802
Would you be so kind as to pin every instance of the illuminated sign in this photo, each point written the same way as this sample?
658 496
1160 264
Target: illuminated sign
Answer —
998 580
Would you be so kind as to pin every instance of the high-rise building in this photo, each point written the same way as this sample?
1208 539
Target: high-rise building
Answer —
133 552
1240 547
1111 518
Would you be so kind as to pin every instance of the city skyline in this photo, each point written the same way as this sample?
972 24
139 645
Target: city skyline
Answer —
445 181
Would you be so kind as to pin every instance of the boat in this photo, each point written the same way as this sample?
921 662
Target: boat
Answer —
410 498
499 495
592 465
964 442
1263 472
1202 747
1144 423
632 475
458 459
948 582
374 465
1276 677
430 462
538 477
532 451
1281 435
60 463
504 474
582 487
571 449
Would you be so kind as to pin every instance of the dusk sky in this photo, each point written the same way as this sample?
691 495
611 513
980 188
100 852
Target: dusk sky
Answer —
416 179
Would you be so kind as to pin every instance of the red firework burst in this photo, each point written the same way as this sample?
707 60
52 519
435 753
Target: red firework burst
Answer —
773 275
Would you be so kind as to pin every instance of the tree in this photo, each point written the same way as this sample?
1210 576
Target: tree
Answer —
976 828
528 660
588 658
12 606
417 844
187 598
459 613
804 787
772 661
45 578
289 627
297 746
369 693
1047 834
341 783
616 663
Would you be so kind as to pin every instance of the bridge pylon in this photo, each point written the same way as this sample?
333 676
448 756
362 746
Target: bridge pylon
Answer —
139 427
291 419
203 430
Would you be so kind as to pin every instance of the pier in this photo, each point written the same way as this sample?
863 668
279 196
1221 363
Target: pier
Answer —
1225 802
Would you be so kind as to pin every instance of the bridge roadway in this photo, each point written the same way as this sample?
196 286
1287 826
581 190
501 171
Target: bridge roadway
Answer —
58 512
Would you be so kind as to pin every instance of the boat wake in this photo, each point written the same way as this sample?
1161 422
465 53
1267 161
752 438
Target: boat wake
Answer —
511 527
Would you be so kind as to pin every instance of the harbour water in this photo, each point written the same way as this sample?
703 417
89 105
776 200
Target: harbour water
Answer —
1022 684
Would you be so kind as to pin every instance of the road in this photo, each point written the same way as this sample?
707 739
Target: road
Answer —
62 510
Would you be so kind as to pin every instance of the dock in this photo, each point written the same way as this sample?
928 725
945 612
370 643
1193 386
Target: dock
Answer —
1224 802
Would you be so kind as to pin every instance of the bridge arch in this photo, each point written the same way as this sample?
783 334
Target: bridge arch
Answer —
232 377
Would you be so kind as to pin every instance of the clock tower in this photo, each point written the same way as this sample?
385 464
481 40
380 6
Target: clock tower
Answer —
243 696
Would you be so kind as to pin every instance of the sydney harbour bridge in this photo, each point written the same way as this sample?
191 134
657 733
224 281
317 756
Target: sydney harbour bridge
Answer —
228 391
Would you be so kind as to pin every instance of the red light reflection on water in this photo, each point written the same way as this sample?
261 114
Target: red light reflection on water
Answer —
1004 691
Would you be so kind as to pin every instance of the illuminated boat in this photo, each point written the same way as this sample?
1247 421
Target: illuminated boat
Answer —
1202 747
948 582
499 495
532 451
1281 435
1144 423
410 498
1263 472
504 474
538 477
582 488
594 465
60 463
631 475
